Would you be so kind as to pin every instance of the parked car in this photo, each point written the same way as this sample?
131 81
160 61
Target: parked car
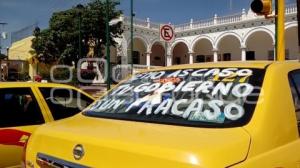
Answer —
25 106
213 115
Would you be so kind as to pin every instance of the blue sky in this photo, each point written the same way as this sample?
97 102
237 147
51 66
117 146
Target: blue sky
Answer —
181 11
21 13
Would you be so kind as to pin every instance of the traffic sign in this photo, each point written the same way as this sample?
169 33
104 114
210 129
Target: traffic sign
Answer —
167 33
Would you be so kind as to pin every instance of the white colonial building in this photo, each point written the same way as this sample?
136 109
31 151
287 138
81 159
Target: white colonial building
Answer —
242 36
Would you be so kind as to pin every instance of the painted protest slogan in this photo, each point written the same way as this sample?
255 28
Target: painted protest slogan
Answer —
207 95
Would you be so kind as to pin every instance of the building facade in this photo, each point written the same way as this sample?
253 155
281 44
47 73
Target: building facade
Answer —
243 36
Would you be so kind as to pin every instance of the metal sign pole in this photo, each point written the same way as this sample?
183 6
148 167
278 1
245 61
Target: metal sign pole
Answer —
276 31
166 53
166 34
131 34
298 17
108 46
0 46
280 32
1 23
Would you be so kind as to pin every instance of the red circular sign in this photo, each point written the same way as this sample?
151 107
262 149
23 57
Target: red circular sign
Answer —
167 32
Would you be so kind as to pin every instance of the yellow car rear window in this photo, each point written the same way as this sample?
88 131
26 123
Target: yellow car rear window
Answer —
197 97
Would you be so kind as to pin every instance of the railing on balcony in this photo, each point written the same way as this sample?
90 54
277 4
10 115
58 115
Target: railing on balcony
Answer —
136 22
142 23
229 19
154 25
203 23
182 27
290 9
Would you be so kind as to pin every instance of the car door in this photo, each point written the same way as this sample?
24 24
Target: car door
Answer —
64 102
20 114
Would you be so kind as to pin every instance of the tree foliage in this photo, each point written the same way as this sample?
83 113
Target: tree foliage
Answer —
2 56
60 42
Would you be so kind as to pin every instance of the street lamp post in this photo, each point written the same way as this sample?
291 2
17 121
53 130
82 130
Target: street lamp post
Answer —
1 23
7 51
79 7
79 40
107 46
131 34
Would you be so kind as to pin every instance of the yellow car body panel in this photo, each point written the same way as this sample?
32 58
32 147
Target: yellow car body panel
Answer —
10 154
276 118
269 139
273 124
140 144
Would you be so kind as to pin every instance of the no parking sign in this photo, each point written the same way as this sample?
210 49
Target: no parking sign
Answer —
167 33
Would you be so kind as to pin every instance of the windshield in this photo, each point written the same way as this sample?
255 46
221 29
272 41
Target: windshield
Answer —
216 97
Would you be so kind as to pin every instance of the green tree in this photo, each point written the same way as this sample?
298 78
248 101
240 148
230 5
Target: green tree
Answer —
60 42
2 56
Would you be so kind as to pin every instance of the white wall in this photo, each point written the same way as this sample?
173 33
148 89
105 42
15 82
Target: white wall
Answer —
252 33
157 50
181 51
291 42
260 42
140 46
203 47
230 44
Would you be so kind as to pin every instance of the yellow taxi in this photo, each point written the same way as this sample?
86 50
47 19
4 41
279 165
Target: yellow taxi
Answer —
213 115
25 106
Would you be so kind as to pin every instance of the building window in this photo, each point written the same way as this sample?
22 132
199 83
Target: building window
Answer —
250 55
209 58
226 56
136 57
219 57
177 60
200 58
287 54
157 58
271 55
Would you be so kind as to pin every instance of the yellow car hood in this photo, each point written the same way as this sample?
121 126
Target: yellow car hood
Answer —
114 143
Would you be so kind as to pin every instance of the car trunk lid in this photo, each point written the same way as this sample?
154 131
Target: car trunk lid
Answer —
115 143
